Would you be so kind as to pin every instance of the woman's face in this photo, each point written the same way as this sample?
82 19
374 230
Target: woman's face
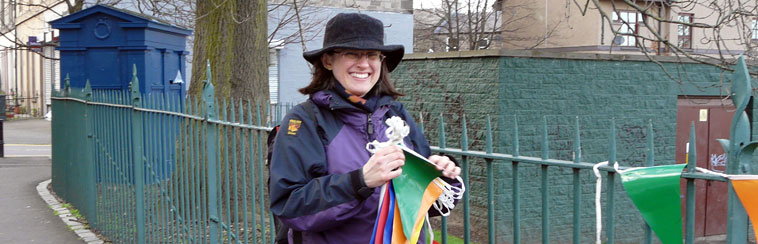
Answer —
356 70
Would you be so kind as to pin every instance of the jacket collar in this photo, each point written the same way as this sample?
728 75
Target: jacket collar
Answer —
334 101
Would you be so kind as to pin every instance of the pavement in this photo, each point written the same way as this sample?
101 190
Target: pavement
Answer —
24 216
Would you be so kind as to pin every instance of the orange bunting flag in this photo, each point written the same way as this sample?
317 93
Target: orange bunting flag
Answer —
746 187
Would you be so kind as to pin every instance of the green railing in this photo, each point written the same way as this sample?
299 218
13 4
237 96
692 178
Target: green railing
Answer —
154 169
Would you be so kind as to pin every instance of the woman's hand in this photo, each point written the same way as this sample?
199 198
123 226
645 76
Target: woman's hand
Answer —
448 168
383 166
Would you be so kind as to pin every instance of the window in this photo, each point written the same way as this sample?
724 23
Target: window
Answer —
684 32
273 76
754 29
629 21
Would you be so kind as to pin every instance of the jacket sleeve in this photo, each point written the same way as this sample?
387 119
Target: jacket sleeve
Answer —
300 187
325 219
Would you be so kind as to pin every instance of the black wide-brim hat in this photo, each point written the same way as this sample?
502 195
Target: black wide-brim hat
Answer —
357 31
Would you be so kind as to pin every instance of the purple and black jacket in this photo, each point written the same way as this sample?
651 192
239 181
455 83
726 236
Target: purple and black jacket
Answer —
316 167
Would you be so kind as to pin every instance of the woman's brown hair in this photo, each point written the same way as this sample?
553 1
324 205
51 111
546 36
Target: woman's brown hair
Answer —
322 79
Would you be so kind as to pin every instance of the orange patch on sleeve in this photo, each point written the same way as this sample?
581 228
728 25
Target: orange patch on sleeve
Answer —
293 126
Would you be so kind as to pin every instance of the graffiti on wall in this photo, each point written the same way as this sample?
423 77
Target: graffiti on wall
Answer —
718 162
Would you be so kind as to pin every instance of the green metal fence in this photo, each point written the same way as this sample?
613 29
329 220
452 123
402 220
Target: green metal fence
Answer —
154 169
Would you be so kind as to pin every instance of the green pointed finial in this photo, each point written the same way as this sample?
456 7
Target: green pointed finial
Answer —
233 113
740 90
691 150
208 71
442 131
208 93
87 90
464 135
612 143
241 113
577 141
650 159
488 136
134 87
515 137
545 146
67 86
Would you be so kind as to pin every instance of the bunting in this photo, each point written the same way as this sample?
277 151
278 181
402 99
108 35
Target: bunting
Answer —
416 192
664 214
746 187
405 201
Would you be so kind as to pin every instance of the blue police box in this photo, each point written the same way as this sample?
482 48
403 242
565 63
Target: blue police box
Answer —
103 43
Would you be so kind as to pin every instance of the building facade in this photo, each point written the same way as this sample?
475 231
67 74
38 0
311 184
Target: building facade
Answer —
28 60
571 28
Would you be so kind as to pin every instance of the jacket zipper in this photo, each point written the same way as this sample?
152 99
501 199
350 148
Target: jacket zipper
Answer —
370 127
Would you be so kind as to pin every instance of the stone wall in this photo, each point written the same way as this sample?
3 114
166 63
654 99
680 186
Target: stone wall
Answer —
532 86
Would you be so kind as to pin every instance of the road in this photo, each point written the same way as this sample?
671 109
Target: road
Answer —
24 216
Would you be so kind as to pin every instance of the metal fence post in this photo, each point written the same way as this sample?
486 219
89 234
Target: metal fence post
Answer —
138 155
89 158
211 154
739 152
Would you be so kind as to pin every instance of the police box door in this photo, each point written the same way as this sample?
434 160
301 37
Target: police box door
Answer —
712 117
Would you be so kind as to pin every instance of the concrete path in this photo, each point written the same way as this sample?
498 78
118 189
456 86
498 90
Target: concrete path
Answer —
24 216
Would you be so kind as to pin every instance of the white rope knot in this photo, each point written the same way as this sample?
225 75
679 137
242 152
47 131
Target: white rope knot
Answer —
450 193
396 130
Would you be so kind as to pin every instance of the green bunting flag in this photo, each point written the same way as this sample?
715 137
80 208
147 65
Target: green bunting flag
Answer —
415 192
655 192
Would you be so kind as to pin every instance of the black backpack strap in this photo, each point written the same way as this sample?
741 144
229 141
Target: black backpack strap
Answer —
281 229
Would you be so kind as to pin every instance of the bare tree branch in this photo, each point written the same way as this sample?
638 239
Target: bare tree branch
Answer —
724 30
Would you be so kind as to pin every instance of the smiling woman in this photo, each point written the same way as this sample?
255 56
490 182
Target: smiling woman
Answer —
356 74
324 182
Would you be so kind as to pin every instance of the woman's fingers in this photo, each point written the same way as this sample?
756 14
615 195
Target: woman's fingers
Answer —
447 166
452 171
383 166
395 173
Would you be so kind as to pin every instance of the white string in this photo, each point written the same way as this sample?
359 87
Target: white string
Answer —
396 130
703 170
450 193
429 229
598 190
711 172
730 177
620 171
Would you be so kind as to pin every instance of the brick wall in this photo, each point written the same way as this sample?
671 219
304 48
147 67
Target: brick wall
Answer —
529 86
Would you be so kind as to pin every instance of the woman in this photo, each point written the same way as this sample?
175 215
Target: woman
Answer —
324 183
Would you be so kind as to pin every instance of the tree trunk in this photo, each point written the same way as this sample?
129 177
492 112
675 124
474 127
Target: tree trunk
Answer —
233 37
